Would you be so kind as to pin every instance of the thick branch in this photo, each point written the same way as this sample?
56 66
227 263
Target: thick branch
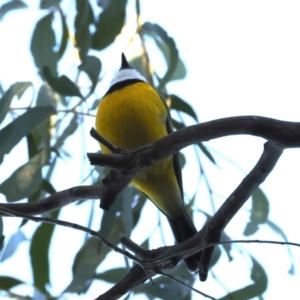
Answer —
235 201
285 134
135 277
55 201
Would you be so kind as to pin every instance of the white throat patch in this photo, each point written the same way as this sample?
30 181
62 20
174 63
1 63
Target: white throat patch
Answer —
127 74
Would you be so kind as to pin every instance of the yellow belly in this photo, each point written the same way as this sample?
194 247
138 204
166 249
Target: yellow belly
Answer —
130 118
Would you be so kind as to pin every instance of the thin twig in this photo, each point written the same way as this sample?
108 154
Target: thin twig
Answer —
74 226
98 137
188 286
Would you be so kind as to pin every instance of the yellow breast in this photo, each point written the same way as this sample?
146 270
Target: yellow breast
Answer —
130 118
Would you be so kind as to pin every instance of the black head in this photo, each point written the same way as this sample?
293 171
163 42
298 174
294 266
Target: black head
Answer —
124 63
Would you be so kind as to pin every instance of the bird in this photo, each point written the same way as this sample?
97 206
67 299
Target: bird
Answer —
132 114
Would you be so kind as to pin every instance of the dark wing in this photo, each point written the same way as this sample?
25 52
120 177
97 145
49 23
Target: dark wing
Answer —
176 161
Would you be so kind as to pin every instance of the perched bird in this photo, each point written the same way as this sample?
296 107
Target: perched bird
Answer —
130 115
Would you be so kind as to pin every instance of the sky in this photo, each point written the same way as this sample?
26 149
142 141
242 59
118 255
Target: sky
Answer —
242 58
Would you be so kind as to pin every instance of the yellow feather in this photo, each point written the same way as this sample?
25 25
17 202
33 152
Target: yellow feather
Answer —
133 117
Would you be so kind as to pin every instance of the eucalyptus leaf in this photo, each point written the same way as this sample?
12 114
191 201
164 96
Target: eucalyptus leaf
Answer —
109 24
16 90
91 65
113 275
177 125
43 42
26 179
39 254
48 187
93 252
12 245
259 212
260 279
180 70
65 35
45 4
68 131
281 233
215 256
11 6
180 105
84 18
62 85
206 152
95 104
165 288
7 282
46 96
139 63
20 127
161 36
126 214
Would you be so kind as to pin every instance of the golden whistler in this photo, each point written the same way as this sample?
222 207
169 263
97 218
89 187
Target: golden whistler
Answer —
130 115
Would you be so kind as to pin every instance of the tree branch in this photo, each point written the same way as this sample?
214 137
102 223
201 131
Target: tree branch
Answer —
285 134
215 226
55 201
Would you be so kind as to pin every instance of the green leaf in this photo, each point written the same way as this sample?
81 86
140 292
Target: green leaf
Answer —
177 125
93 252
140 63
33 141
39 251
1 226
42 44
20 127
1 90
48 187
180 105
160 36
226 247
26 179
12 245
91 65
165 288
137 208
145 244
127 214
84 18
2 237
113 275
109 24
7 283
259 212
259 276
62 85
95 104
68 131
180 70
65 35
206 153
46 96
11 6
42 133
215 256
281 233
17 89
45 4
182 160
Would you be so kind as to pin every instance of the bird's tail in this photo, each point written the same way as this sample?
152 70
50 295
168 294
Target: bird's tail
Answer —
183 229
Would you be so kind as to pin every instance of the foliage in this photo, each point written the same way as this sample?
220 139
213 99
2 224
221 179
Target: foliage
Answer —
54 115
